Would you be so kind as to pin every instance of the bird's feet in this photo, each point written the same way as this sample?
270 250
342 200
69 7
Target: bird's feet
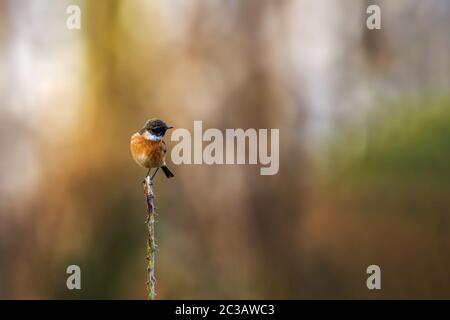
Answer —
154 174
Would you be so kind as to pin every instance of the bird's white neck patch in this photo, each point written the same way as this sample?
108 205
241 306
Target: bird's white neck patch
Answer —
152 137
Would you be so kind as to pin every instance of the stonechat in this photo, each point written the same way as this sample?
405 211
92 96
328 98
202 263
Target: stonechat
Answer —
148 147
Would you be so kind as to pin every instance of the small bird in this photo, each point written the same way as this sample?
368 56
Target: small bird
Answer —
148 147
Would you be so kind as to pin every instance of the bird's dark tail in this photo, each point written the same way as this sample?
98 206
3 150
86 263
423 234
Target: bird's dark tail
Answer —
167 172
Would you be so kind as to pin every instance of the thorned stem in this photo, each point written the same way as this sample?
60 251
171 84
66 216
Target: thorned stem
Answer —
151 245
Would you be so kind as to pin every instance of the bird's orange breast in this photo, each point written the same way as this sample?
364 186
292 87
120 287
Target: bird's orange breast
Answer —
147 153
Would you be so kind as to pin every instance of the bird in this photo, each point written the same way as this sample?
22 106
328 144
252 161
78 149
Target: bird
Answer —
148 148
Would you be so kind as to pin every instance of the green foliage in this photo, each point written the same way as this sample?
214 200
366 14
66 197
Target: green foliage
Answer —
401 157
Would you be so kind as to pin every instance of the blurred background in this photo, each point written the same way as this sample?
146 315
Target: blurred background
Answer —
364 120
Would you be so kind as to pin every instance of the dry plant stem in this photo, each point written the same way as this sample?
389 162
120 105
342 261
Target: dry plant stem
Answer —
151 245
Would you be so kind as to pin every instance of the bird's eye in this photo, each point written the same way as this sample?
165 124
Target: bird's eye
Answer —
158 131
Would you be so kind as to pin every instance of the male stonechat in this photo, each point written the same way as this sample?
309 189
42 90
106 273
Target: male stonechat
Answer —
148 147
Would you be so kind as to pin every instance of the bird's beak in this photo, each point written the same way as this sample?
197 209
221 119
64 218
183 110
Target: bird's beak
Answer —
169 127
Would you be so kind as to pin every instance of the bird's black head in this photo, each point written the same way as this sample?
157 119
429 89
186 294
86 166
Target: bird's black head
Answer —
155 127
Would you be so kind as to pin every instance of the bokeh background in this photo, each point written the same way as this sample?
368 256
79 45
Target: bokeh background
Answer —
364 120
